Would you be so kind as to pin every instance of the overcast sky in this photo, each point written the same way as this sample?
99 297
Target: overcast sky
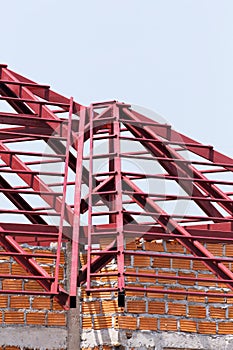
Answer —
172 56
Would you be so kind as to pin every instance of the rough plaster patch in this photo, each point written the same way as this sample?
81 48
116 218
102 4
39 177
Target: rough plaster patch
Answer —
100 337
34 337
156 341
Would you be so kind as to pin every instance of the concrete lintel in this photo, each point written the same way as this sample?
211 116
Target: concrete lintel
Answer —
155 340
34 337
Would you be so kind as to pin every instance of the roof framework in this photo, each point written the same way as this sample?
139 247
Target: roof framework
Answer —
101 177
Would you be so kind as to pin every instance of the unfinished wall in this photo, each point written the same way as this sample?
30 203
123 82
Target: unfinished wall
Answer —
148 321
148 316
31 322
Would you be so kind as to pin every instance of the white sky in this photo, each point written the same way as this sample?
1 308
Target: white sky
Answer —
172 56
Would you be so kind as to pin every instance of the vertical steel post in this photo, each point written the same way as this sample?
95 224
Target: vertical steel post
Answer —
118 200
77 202
90 209
54 287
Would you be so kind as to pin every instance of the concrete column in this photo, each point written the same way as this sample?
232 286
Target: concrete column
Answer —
73 315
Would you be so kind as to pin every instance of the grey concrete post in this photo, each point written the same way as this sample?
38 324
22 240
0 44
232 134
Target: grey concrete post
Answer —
73 315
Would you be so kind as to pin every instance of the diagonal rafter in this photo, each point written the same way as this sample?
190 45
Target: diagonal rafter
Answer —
172 227
175 168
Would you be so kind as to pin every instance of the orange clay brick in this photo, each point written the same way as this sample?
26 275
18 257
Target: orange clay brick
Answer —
61 273
128 260
187 282
230 312
126 322
43 251
180 263
188 326
132 245
110 306
132 293
10 348
3 301
130 269
198 265
92 307
101 322
196 298
131 278
41 303
56 319
229 249
4 268
225 328
207 327
148 323
177 296
103 295
174 247
206 283
136 306
14 317
87 322
161 263
45 261
106 279
84 294
19 302
4 257
83 259
36 318
12 284
145 279
215 248
222 285
107 269
164 280
168 324
141 261
154 295
33 286
217 312
228 300
62 258
155 307
154 246
216 300
197 311
18 270
176 309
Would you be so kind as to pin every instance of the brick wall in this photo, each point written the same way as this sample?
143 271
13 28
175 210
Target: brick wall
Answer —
30 310
144 311
164 312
